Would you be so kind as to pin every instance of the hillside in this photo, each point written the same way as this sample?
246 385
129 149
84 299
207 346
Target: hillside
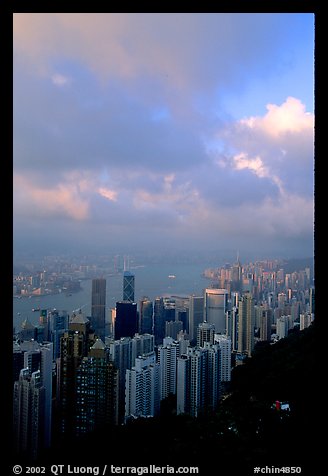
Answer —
245 432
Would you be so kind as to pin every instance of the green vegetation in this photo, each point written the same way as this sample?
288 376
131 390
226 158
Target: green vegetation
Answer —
245 431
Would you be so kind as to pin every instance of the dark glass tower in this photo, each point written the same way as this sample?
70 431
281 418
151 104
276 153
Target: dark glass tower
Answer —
98 307
126 322
159 320
146 316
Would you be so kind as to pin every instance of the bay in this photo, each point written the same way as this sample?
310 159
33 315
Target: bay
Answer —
150 280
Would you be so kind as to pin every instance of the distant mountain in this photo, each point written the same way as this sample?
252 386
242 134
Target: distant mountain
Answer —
298 264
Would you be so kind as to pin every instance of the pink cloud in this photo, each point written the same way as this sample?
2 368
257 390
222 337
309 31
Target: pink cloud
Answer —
289 117
107 193
63 199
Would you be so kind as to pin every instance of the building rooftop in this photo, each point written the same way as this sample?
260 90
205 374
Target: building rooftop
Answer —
26 324
98 345
79 319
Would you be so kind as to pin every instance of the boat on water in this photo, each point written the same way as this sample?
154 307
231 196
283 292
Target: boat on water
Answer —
35 309
172 276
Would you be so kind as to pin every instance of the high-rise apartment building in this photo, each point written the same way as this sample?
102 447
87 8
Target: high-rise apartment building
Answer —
18 361
39 357
265 324
167 355
141 344
282 327
28 414
46 369
73 347
98 307
142 388
312 300
96 391
215 307
121 356
198 380
306 319
225 346
205 333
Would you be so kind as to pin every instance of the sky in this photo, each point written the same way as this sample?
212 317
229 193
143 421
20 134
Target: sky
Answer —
164 132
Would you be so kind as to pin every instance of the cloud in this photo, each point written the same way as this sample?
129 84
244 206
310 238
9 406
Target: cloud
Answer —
60 80
166 46
290 117
278 146
242 161
119 128
203 200
43 202
109 194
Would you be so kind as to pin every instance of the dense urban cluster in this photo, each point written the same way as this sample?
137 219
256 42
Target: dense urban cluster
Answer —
73 374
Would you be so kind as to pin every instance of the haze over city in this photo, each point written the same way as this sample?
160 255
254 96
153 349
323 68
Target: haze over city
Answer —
139 132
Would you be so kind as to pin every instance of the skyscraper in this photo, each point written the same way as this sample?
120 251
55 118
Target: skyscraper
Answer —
96 391
126 321
246 324
265 324
224 343
198 380
167 358
98 307
39 357
172 328
205 333
141 344
58 324
72 350
146 325
305 320
215 307
236 276
142 388
196 315
121 356
159 320
46 350
18 361
128 286
28 414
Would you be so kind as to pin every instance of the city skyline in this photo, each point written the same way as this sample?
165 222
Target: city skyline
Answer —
74 376
164 131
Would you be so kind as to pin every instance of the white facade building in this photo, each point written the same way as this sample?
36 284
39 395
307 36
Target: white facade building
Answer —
167 359
224 343
142 388
198 380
